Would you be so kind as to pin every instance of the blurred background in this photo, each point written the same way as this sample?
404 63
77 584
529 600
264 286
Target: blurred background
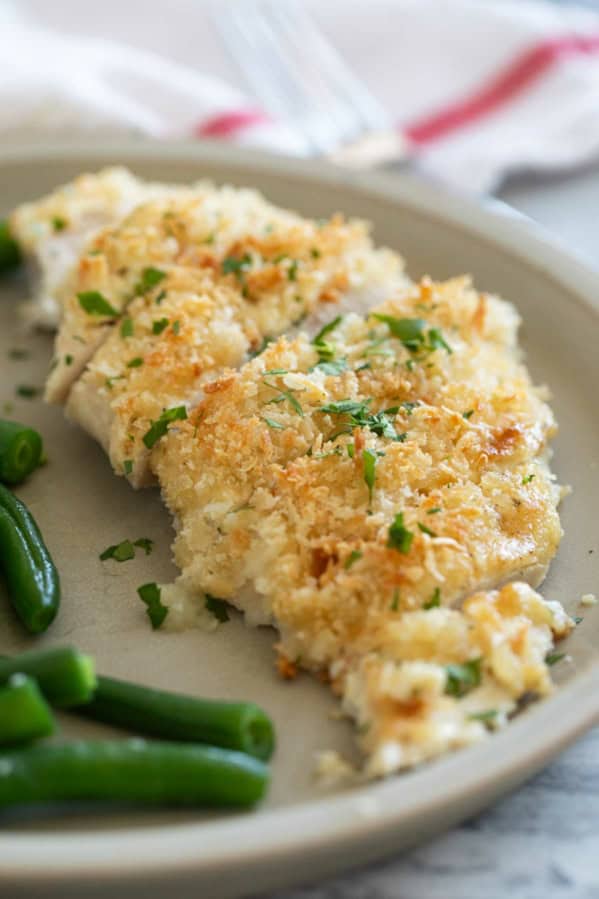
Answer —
469 92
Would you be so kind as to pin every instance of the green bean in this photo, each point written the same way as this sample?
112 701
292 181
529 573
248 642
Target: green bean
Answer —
24 715
20 451
65 677
10 255
233 725
132 770
30 575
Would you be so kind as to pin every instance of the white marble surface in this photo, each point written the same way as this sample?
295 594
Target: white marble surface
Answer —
542 842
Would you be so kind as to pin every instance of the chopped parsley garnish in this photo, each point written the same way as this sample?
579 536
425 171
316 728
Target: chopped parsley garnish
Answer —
68 359
334 367
150 277
110 381
159 325
409 407
159 427
326 351
411 332
18 353
436 341
577 619
369 458
435 600
59 223
426 530
553 658
176 327
360 417
487 715
468 414
285 395
462 678
128 466
399 537
135 363
528 478
351 450
144 543
292 270
27 391
218 607
127 327
276 371
94 303
156 610
233 265
395 600
315 253
120 552
434 511
160 297
276 425
353 557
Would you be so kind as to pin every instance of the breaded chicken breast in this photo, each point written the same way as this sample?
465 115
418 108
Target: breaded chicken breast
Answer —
52 232
379 480
228 292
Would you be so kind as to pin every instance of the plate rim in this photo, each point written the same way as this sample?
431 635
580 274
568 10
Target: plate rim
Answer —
357 820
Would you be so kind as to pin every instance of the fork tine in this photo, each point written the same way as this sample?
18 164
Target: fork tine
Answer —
254 48
301 29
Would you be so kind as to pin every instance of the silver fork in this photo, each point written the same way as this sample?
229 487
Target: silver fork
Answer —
301 79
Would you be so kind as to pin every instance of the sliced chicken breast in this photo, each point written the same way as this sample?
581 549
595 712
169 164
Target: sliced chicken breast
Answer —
52 232
368 482
212 310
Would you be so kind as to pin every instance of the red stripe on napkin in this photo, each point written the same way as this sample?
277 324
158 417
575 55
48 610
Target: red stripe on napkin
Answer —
513 80
500 89
227 124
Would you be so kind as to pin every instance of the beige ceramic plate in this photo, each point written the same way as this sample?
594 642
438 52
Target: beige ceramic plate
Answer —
300 833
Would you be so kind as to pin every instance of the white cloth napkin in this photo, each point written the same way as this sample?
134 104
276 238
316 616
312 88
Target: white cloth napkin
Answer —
480 88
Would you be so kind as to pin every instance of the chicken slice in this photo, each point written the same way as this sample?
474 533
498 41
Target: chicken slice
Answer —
211 311
53 231
390 469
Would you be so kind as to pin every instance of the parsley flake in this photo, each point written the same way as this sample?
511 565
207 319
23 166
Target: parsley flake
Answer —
233 265
159 427
218 607
353 557
426 530
17 353
528 478
150 277
135 363
27 391
485 716
275 425
435 600
59 223
120 552
159 325
128 466
127 327
399 537
144 543
369 458
462 678
94 303
468 414
553 658
434 511
156 611
395 600
176 327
